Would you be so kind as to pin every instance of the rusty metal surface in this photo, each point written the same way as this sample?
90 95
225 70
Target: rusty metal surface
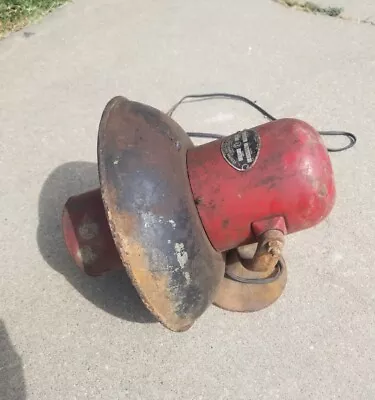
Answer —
87 234
152 215
254 281
265 258
291 178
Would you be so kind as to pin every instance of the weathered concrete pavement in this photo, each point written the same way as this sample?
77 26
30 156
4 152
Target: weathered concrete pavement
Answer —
79 338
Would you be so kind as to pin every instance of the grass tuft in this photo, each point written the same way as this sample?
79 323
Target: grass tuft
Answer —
15 14
309 6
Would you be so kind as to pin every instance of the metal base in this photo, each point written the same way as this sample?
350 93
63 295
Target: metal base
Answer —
248 297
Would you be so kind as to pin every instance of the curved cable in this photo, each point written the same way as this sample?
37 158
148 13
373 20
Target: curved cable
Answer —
352 140
207 96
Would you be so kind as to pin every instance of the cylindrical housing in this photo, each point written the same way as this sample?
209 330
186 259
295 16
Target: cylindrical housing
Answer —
87 234
281 168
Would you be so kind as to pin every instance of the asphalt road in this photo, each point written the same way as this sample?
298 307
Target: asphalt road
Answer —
67 336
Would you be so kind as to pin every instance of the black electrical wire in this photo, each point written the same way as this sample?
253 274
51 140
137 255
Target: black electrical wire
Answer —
230 96
351 137
352 140
258 281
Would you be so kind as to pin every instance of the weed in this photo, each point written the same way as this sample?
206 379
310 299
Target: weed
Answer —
309 6
15 14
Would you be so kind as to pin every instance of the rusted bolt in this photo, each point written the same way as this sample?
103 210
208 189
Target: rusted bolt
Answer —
268 251
274 247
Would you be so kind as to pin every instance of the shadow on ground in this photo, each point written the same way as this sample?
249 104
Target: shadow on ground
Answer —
12 382
112 292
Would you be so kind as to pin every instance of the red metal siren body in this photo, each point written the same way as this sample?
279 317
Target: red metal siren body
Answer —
279 169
